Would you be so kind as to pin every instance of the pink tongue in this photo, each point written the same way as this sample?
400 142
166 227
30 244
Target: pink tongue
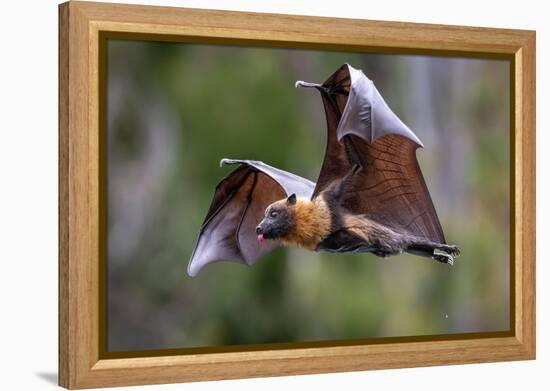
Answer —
260 238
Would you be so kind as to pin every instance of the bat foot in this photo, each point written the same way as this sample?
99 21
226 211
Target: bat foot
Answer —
443 257
455 251
450 249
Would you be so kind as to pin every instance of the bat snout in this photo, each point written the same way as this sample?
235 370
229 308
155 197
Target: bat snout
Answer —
264 230
260 233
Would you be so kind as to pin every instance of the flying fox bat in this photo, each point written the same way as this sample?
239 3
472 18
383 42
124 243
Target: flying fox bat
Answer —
370 195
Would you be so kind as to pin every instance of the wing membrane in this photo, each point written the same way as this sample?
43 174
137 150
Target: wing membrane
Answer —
365 136
240 199
390 189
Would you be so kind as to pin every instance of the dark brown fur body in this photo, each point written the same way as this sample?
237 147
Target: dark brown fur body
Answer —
322 224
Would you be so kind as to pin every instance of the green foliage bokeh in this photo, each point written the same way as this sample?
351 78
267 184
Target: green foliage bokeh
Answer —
174 110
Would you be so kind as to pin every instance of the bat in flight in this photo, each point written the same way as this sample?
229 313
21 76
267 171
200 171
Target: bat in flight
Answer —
370 196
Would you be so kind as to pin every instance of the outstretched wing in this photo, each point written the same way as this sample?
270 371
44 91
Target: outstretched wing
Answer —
390 188
366 137
240 200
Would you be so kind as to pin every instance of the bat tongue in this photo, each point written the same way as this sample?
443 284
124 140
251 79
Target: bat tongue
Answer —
261 238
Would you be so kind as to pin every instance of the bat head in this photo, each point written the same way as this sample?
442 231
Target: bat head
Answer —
278 219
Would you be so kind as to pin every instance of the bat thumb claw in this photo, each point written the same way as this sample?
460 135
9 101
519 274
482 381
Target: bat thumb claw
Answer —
225 161
300 83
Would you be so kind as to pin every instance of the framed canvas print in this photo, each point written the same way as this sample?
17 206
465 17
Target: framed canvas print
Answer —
247 195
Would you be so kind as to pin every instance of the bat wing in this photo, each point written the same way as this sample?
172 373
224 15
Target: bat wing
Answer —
366 137
228 232
390 189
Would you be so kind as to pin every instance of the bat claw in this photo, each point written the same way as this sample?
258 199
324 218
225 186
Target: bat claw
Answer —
443 257
300 83
455 251
450 249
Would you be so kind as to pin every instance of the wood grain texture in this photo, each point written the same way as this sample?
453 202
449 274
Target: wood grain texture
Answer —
63 178
80 24
525 195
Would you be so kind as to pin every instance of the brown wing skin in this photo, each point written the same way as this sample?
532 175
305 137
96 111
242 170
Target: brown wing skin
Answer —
239 203
390 189
334 93
366 137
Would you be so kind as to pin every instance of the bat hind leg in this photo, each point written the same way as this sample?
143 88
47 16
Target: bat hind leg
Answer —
439 252
385 252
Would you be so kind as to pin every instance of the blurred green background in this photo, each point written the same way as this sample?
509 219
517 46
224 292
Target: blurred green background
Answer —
174 110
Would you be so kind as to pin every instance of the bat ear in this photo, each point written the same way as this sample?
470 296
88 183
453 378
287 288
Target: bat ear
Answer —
291 200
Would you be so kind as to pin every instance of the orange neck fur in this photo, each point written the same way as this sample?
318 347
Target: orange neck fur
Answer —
311 223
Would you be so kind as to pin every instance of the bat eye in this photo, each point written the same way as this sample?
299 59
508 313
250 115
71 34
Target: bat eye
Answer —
273 214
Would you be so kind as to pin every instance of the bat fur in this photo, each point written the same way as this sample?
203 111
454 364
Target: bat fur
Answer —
319 224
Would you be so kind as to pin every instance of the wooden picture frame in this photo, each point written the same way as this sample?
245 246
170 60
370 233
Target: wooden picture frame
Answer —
81 25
